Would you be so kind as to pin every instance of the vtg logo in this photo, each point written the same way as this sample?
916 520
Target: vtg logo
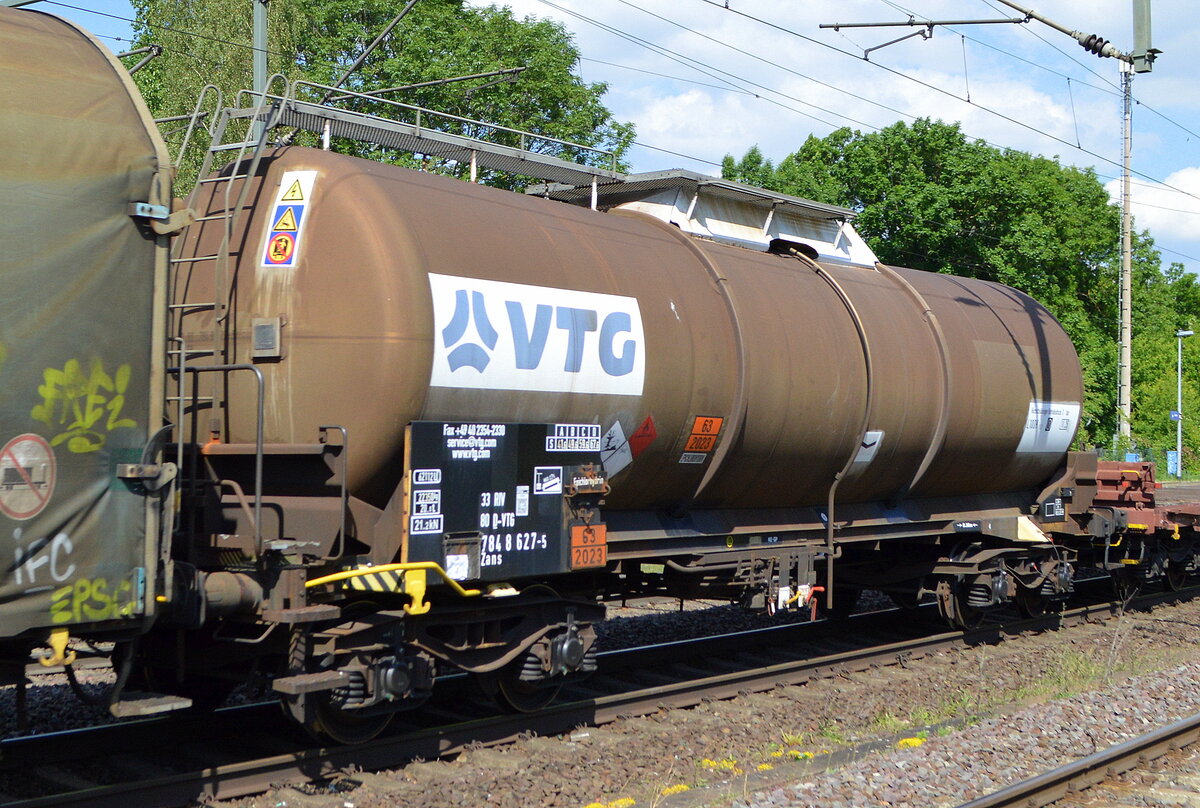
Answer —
511 336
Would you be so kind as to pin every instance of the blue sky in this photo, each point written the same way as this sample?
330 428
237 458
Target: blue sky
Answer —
701 80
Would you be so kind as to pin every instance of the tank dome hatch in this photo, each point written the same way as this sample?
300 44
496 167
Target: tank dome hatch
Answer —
727 211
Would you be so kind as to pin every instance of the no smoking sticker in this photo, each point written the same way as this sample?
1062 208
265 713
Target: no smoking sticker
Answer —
27 472
280 248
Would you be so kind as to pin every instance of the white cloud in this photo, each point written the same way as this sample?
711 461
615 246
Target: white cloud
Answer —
1167 213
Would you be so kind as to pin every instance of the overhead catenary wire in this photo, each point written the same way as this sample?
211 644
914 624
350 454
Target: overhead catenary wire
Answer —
726 85
639 40
933 87
699 66
1112 88
686 62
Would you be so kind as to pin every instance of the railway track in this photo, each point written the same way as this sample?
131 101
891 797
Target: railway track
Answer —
237 751
1062 786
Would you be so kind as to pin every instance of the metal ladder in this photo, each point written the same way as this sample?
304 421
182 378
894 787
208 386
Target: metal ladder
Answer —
261 118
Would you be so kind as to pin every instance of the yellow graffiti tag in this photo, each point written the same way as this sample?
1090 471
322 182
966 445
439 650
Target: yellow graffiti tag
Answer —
3 355
92 599
74 403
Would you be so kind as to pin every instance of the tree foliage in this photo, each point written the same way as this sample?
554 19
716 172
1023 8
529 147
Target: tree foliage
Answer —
317 40
929 198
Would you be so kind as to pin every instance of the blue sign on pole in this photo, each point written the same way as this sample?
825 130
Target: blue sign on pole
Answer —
1173 462
1175 416
1133 457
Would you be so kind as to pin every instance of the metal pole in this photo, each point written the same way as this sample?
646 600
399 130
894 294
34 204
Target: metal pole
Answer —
260 45
1125 383
1179 335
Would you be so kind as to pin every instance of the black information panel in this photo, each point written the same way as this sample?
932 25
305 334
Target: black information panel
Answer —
488 501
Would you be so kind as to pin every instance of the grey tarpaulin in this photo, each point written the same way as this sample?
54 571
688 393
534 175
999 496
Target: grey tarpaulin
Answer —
80 353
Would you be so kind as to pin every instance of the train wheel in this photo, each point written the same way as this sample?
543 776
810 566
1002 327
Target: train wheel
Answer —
523 697
1031 603
952 603
514 694
1176 575
346 727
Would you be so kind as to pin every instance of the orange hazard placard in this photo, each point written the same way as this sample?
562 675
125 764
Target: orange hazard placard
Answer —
588 535
589 556
700 443
280 248
589 546
706 425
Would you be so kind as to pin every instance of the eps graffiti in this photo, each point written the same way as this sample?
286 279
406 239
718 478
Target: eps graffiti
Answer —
92 599
82 407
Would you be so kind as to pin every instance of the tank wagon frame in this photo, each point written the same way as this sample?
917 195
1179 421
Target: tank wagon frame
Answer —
403 424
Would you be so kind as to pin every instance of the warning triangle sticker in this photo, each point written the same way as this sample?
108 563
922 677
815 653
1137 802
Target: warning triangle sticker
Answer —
294 194
285 222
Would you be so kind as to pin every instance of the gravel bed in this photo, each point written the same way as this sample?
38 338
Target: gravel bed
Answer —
947 771
53 707
937 731
934 732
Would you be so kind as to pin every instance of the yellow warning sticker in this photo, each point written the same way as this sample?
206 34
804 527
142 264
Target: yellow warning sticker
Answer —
293 194
285 222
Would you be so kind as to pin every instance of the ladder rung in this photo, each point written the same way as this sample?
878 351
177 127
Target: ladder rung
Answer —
194 260
190 398
225 215
221 179
232 146
196 306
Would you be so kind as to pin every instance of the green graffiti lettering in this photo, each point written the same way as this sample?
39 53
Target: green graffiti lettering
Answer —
92 599
60 605
3 355
74 402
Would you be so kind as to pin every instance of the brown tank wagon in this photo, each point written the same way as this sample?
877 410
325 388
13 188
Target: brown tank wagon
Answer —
416 297
386 425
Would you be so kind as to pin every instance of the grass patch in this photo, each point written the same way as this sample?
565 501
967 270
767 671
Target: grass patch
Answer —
832 732
888 724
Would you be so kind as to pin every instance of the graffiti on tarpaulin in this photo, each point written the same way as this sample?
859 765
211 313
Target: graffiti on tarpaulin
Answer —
54 554
75 403
90 599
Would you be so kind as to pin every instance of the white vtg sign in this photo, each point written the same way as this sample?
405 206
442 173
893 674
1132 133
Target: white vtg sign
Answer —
513 336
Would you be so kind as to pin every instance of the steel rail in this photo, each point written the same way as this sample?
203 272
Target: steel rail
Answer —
1051 786
708 668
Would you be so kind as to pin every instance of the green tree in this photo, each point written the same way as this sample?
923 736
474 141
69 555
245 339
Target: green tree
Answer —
317 40
205 42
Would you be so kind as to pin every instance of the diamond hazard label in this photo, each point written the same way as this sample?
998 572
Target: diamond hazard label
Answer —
27 473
